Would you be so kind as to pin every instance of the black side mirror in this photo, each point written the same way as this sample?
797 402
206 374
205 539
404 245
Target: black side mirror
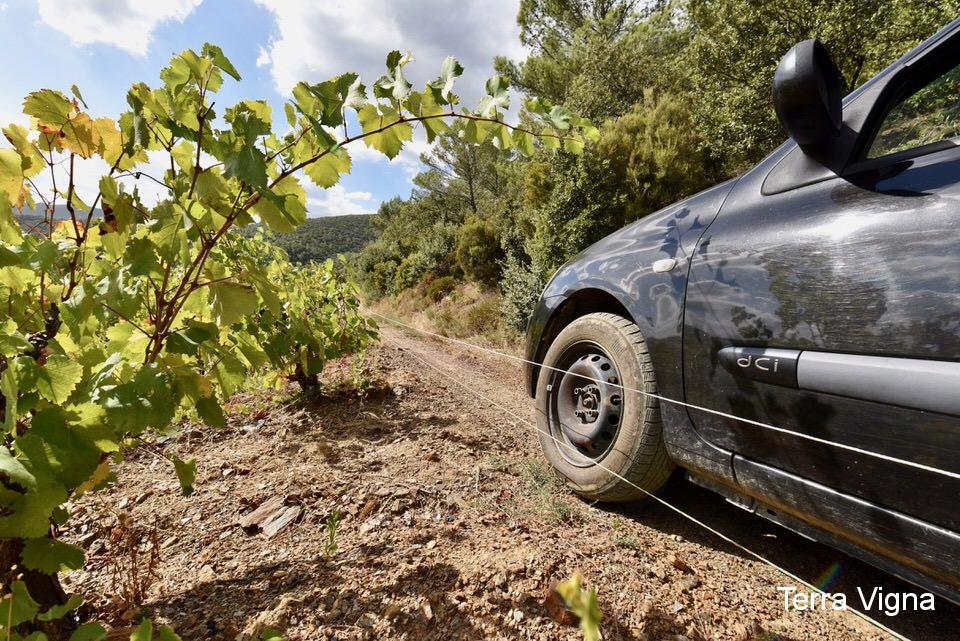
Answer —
807 95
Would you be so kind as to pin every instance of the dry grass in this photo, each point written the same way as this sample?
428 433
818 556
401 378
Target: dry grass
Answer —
468 313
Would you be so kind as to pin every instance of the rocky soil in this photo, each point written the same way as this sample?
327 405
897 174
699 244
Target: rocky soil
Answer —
451 527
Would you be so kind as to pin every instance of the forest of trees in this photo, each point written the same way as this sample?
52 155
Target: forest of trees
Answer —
683 91
318 239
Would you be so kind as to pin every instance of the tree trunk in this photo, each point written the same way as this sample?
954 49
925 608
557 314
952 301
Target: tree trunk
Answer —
307 382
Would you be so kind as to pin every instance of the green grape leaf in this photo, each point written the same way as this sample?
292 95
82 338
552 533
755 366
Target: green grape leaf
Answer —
573 145
498 97
523 142
326 171
502 138
232 302
582 603
18 606
247 163
426 106
215 54
334 95
48 106
89 632
76 94
442 87
59 611
393 84
283 207
143 632
210 411
559 117
144 402
10 231
11 176
165 633
384 131
32 162
478 131
52 446
230 373
187 341
186 473
50 556
54 380
250 119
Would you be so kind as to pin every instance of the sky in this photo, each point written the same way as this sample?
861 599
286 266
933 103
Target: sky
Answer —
104 46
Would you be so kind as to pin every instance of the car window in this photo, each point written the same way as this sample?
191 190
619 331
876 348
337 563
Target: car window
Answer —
929 115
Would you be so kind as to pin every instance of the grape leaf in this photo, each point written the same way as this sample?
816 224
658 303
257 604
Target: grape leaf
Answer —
11 175
231 302
282 208
186 473
48 106
54 380
59 611
215 54
442 87
498 97
384 131
210 411
51 556
18 606
89 632
326 171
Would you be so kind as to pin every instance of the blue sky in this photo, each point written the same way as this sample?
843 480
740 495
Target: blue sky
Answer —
104 46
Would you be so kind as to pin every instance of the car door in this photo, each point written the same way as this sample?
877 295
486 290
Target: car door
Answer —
857 278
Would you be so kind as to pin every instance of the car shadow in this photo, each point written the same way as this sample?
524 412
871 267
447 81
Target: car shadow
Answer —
829 569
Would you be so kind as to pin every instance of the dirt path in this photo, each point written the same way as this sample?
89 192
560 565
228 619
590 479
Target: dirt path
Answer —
452 528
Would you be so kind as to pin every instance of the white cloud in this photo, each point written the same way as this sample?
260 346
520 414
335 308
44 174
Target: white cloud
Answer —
408 160
87 174
314 40
3 7
127 24
263 58
337 201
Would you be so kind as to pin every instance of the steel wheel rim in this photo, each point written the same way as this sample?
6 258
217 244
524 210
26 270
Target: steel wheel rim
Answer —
585 403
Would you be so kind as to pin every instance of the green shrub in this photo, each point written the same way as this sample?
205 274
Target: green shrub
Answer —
441 288
410 271
381 279
478 252
483 317
520 288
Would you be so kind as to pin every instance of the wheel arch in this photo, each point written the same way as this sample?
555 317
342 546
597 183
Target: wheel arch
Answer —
589 300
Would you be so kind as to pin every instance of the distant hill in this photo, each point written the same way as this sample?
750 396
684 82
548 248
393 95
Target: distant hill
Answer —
322 238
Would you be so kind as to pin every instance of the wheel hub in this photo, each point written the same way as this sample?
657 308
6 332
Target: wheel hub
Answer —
588 399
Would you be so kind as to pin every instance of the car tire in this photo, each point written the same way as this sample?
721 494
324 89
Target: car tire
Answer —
623 448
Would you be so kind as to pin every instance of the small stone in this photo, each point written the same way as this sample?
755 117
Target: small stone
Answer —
556 608
206 574
679 563
677 607
689 583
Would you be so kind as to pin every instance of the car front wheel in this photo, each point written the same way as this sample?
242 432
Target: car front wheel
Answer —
603 437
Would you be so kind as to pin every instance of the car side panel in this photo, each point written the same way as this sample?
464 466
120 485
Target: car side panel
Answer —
866 264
